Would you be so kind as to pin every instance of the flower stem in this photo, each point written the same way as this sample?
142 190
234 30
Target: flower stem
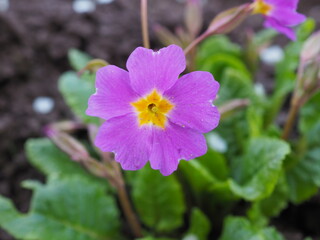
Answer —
294 109
128 212
195 43
144 23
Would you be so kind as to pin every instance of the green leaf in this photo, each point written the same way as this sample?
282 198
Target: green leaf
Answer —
68 209
234 84
310 114
271 206
217 53
217 44
199 225
219 62
301 186
234 130
239 228
78 59
207 187
199 178
303 170
257 172
76 92
304 178
216 164
159 200
50 160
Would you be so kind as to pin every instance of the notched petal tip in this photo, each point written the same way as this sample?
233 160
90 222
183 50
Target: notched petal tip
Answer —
159 70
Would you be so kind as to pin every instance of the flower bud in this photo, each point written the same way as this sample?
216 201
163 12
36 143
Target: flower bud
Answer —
193 16
309 70
93 66
311 48
229 20
67 144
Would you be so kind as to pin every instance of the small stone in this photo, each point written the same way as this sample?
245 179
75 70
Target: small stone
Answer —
272 55
216 142
190 237
104 1
43 105
259 89
83 6
4 5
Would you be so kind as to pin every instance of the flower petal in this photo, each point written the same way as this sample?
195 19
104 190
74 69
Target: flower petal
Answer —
130 143
287 17
192 98
272 23
175 143
160 70
292 4
113 94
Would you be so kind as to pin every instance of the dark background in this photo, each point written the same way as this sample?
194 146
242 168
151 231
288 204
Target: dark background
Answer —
35 36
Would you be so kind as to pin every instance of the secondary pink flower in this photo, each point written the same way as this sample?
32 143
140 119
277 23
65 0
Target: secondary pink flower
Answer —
280 15
152 114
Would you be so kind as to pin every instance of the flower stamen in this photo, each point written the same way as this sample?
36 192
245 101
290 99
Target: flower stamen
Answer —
153 109
261 7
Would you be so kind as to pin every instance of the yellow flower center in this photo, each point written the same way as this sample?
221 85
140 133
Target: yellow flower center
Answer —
153 109
261 7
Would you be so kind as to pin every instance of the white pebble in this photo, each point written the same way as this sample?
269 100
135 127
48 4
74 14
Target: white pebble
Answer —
190 237
83 6
259 89
43 105
104 1
217 143
4 5
272 55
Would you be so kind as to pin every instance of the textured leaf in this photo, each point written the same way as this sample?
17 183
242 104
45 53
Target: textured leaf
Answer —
68 209
239 228
257 172
234 84
198 176
217 53
50 160
159 200
78 59
271 206
199 226
310 114
303 170
300 182
217 44
216 164
76 92
234 129
218 63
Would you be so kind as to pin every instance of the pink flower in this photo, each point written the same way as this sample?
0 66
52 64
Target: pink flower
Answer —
151 114
280 15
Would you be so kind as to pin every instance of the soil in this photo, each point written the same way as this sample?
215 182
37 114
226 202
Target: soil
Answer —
34 41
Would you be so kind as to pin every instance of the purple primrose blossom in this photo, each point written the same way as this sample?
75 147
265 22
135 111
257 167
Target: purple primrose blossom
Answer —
151 114
280 15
